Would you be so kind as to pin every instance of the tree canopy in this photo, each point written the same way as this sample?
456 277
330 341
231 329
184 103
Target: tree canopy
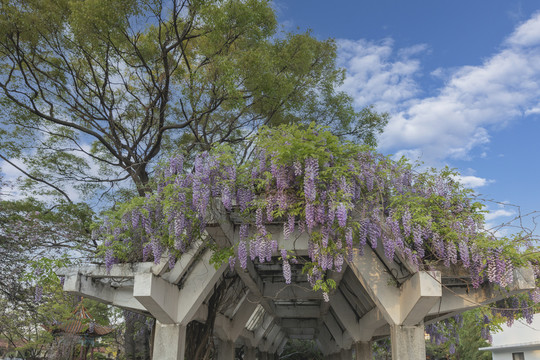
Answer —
94 92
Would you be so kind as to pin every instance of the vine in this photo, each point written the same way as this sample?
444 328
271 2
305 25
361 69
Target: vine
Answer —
343 195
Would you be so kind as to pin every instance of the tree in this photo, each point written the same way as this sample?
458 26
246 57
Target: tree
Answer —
34 239
120 83
301 350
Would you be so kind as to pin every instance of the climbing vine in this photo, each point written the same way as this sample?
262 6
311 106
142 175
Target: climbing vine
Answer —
343 195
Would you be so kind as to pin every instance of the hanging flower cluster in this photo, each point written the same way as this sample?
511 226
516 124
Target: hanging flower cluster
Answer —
343 195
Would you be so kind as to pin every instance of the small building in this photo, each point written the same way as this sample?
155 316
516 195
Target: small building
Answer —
521 341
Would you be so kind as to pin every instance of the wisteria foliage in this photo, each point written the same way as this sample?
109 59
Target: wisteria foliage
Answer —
345 196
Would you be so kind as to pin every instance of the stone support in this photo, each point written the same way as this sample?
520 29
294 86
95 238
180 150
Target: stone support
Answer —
225 350
345 354
363 350
277 342
281 346
408 342
241 317
250 354
334 329
169 341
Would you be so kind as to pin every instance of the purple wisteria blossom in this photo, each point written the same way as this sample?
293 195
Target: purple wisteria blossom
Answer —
341 214
242 254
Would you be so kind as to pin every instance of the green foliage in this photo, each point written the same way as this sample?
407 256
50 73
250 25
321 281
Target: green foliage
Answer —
94 92
301 350
465 337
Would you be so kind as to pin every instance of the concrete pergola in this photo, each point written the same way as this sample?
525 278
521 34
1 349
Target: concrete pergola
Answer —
374 298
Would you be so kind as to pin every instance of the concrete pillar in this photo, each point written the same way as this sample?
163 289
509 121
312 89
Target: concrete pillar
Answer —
225 350
345 354
363 350
408 342
169 341
250 353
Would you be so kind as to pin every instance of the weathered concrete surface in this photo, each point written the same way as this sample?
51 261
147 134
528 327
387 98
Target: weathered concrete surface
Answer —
225 350
408 342
169 342
250 354
363 351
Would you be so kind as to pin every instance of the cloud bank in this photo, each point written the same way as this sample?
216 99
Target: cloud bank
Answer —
458 116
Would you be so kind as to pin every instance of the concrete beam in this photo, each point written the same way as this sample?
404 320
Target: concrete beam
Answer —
263 330
170 305
277 342
418 295
100 271
254 283
298 291
369 323
299 312
406 305
333 327
298 323
296 244
327 342
375 279
281 346
337 277
242 316
197 286
218 224
458 299
158 296
184 263
88 287
300 331
301 336
269 340
345 315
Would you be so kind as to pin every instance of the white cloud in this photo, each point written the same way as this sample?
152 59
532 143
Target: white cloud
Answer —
497 214
473 182
473 101
528 34
373 78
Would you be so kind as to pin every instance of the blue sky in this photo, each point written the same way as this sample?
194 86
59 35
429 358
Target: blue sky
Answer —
461 80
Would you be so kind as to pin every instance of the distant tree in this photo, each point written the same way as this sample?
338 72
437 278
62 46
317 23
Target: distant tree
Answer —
460 338
301 350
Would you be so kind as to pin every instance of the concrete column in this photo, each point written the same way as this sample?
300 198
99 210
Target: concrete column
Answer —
345 354
408 342
363 350
225 350
250 353
169 341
